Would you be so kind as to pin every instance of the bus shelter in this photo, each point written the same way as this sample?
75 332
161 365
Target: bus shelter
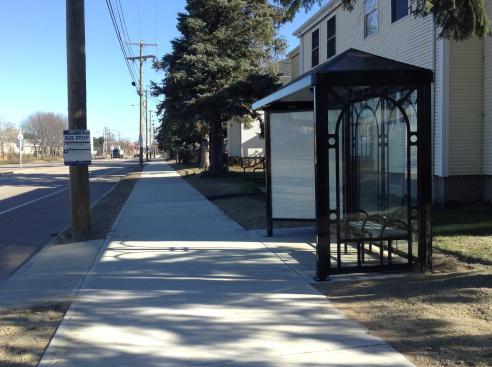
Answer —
348 145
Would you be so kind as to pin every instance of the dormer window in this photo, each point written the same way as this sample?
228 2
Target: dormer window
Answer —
371 17
315 48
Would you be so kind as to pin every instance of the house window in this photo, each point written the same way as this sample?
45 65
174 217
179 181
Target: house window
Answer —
331 37
399 8
315 48
370 17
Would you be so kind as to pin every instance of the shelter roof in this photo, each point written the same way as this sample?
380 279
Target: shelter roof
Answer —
350 68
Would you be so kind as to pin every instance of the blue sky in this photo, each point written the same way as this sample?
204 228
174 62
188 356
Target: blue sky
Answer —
33 62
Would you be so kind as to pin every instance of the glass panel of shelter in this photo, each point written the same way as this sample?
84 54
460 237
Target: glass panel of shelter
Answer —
372 177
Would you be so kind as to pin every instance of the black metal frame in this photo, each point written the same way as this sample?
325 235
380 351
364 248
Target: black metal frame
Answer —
328 220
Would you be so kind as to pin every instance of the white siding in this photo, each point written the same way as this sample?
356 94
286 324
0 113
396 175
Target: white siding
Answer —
233 139
296 66
251 142
462 139
487 143
465 107
408 40
441 107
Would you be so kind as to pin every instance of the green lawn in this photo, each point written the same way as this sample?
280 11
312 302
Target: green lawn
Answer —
465 232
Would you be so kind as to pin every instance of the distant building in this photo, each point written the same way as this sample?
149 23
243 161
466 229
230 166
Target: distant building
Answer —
247 141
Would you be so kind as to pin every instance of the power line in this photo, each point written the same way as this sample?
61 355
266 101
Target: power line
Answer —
120 41
121 16
122 45
154 99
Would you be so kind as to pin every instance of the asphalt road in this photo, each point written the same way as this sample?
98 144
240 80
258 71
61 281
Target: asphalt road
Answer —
35 206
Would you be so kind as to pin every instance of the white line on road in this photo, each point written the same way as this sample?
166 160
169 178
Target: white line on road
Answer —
33 201
59 191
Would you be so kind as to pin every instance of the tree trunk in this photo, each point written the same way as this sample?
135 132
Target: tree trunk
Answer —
216 149
205 154
177 154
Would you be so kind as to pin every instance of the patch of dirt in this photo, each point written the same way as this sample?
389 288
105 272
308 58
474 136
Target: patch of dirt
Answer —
241 196
442 318
107 209
248 211
26 332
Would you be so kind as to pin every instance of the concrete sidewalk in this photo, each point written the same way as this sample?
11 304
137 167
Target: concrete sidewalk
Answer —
180 284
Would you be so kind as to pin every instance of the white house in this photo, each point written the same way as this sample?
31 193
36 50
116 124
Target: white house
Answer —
247 141
244 141
462 91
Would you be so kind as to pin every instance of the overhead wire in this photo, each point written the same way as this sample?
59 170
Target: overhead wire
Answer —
121 16
120 41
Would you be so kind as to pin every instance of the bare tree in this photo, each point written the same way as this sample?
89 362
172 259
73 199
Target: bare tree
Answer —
8 136
45 130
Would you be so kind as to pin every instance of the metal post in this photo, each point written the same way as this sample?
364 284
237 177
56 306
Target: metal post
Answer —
77 112
424 176
21 145
20 137
268 175
323 233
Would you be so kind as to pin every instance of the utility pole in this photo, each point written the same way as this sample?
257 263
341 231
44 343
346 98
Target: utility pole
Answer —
146 126
77 113
141 60
150 134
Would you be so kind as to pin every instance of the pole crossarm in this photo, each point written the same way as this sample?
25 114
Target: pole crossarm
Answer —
135 58
141 43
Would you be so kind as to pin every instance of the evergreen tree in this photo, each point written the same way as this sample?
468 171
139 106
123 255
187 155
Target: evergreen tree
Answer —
457 19
218 66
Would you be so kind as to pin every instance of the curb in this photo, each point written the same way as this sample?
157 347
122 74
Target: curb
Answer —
53 241
47 353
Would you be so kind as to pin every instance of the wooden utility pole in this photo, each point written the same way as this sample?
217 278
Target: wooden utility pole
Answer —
141 58
151 143
146 126
77 113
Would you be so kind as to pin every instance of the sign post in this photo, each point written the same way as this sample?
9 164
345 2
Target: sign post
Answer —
20 137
